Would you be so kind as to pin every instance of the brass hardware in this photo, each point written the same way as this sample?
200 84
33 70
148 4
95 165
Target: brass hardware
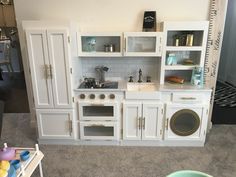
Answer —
50 68
97 104
68 39
167 122
73 99
139 123
70 127
71 70
97 125
188 98
125 45
143 123
160 132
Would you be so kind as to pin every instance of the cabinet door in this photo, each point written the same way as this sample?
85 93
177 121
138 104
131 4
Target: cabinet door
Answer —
132 112
152 121
38 62
54 124
185 122
142 44
59 62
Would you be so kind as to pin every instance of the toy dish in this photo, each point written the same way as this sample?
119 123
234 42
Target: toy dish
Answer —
24 155
15 164
3 173
11 172
7 154
4 165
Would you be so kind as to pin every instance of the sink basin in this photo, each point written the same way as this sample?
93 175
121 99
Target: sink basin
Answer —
141 87
142 91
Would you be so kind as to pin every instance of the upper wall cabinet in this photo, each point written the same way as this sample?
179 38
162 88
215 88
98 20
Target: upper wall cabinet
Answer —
143 44
48 51
184 48
100 44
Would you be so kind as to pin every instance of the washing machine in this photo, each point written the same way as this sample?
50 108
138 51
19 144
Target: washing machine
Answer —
185 122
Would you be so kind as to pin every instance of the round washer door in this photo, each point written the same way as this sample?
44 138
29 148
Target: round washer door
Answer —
184 122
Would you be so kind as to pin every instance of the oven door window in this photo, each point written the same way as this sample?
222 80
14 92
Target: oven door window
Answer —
184 122
98 111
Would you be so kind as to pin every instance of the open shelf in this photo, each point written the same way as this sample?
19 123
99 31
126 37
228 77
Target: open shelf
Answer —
180 67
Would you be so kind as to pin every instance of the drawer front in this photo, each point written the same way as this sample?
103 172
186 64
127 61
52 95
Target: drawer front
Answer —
187 97
99 130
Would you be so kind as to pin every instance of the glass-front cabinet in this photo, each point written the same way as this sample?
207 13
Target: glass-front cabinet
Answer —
143 44
100 44
184 49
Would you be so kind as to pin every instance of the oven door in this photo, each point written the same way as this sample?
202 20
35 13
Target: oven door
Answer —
98 111
94 130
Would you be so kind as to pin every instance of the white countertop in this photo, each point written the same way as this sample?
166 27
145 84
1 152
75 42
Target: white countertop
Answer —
122 86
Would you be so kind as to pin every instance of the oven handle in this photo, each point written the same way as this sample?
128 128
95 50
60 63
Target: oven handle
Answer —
98 104
96 125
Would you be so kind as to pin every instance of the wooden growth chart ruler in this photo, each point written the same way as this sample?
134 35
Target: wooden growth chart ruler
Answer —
217 17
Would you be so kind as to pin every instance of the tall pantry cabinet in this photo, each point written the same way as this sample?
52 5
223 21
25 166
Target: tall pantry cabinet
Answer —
49 55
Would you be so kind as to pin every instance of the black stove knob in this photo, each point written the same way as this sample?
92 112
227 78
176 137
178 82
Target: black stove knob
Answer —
112 96
91 96
82 96
102 96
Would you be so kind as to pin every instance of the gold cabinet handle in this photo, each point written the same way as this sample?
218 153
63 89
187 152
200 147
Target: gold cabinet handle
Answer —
50 68
125 45
167 122
139 123
97 125
70 127
143 123
188 98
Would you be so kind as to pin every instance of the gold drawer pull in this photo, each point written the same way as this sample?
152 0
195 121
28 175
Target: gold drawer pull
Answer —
188 98
97 125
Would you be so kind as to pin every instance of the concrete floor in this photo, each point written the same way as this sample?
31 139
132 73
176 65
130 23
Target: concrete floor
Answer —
216 158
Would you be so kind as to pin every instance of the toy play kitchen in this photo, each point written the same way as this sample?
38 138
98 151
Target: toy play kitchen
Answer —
16 162
119 88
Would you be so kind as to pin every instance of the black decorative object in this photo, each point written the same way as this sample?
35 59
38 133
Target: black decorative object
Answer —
149 21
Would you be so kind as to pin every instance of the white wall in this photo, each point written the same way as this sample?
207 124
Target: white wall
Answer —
110 15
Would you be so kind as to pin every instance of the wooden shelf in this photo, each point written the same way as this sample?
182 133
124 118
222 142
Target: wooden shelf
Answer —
100 54
184 48
180 67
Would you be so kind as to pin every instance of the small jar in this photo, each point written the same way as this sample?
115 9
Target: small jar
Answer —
171 60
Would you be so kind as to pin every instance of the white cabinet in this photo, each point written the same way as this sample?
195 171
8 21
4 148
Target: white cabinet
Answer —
186 41
100 44
143 44
49 67
55 123
142 120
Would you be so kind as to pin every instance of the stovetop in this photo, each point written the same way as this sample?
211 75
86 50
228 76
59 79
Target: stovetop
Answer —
105 85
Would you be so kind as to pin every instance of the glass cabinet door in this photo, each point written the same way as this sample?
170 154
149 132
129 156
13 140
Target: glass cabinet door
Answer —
142 44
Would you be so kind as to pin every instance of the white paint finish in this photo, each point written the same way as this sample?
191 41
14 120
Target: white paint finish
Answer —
38 59
59 60
98 19
132 112
54 123
152 121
